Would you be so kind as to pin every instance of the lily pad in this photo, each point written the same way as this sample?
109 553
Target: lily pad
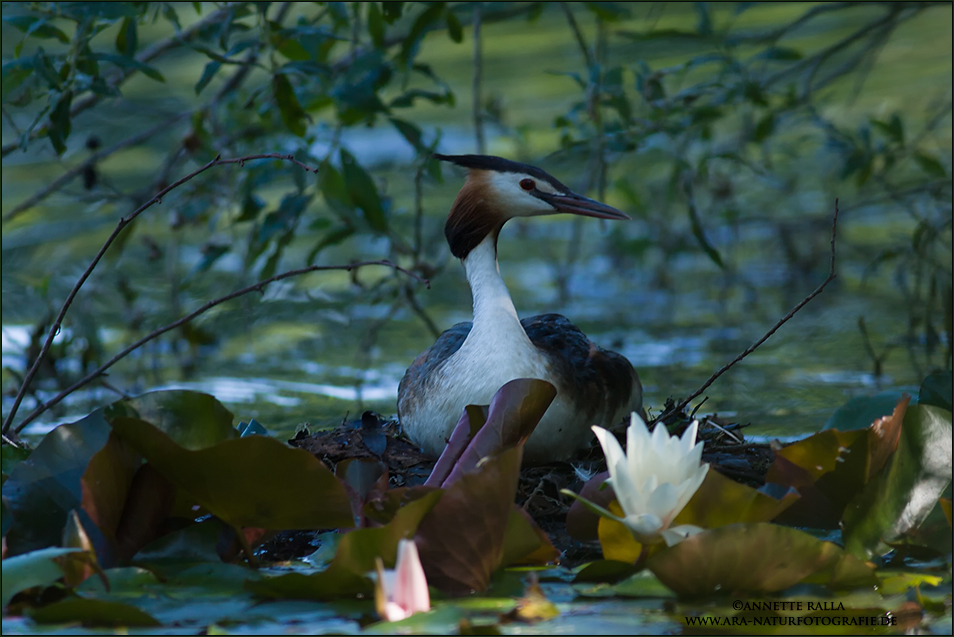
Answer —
45 487
93 613
461 540
905 492
192 419
347 574
937 390
752 558
254 481
36 568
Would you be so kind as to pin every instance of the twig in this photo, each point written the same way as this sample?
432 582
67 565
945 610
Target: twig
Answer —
188 317
478 73
831 275
587 58
123 222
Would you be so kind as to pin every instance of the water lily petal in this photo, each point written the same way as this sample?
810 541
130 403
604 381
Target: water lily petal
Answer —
410 586
677 534
645 525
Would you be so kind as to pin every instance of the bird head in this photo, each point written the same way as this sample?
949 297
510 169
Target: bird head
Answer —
498 190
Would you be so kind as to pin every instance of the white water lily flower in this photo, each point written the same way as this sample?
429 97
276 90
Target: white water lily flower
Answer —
400 593
654 479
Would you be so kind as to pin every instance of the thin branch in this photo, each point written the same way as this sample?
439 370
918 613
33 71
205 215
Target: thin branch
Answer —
478 73
256 287
123 222
587 58
831 275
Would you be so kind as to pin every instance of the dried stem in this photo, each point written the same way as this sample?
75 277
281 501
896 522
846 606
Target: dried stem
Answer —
188 317
123 222
831 275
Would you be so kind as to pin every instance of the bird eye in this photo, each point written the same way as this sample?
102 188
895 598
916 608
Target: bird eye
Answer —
527 184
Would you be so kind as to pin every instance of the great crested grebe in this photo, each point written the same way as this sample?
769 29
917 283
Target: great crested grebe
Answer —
470 361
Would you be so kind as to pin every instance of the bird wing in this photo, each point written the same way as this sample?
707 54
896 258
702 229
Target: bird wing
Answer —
597 376
432 358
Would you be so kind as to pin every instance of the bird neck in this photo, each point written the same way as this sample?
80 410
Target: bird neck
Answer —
493 307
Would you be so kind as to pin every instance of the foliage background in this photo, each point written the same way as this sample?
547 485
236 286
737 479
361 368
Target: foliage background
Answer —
727 131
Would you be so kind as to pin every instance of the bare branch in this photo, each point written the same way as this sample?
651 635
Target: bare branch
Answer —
256 287
831 275
123 222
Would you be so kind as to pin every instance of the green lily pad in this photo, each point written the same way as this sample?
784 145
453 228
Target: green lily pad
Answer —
753 558
36 568
721 501
192 419
254 481
937 390
902 495
45 487
347 574
861 411
93 613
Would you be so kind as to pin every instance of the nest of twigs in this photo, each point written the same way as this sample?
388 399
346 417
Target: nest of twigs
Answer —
538 492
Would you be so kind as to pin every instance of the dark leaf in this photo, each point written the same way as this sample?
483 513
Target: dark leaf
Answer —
525 542
376 24
699 233
752 559
461 540
192 419
780 53
391 11
92 613
930 165
14 73
347 574
45 487
363 191
130 64
60 124
36 27
247 482
902 495
936 390
514 412
454 29
427 18
211 68
127 40
292 113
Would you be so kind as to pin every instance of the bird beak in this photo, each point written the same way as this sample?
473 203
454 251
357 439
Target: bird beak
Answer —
575 204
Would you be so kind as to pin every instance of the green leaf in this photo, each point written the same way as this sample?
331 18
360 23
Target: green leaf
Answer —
127 40
247 482
902 495
211 68
754 559
289 46
930 165
93 613
861 411
454 29
60 123
36 568
936 390
43 488
410 132
780 53
192 419
392 11
14 73
764 129
36 27
292 113
130 64
425 20
363 191
347 574
376 24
